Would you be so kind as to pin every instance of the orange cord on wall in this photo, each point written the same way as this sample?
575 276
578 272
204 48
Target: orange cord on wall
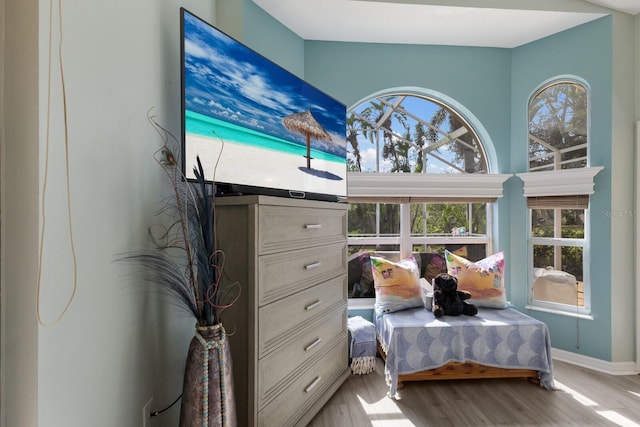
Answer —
46 172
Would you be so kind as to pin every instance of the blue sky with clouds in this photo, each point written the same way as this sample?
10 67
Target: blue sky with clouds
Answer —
226 80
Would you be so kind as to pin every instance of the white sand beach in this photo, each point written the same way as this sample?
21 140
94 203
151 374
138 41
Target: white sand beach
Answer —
249 165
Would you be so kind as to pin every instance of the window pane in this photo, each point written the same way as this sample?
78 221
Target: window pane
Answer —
361 219
418 219
360 279
558 127
542 222
389 219
364 219
572 261
409 133
435 219
558 274
571 225
479 219
402 132
449 218
566 258
543 256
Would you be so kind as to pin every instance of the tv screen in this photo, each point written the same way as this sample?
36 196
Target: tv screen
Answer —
257 128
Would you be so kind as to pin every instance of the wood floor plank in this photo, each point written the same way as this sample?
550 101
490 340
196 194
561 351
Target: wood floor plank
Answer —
585 398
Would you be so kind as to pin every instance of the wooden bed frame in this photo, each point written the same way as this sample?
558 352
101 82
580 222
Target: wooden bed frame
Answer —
465 370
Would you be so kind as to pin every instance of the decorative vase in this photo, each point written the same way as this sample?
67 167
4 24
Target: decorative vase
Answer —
208 398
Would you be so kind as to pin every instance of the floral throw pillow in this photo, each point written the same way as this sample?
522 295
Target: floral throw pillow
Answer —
484 279
397 284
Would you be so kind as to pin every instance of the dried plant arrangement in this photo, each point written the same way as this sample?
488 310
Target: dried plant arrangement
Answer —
186 261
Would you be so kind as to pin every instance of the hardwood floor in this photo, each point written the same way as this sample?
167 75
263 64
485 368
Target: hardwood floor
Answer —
584 398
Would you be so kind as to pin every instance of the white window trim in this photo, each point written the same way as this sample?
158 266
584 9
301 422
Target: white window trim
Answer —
405 188
559 309
426 185
563 182
405 243
637 266
421 240
583 312
361 303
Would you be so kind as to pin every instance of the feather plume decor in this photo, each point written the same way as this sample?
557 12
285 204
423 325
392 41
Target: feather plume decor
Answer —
185 260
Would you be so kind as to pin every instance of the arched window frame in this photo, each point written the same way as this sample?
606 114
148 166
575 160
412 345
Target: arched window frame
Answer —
567 111
407 188
553 192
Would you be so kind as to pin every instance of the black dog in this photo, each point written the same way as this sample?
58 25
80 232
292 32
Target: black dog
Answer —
447 299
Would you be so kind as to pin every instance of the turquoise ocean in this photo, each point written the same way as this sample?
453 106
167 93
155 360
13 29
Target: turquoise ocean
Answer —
208 127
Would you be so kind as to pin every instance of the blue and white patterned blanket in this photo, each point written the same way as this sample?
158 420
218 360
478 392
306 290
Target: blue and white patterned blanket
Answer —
415 340
362 351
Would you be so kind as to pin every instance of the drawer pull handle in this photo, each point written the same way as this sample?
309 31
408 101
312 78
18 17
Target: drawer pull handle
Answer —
313 305
313 344
312 266
313 384
312 226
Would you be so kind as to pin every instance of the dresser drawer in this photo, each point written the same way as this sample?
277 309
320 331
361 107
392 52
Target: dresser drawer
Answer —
278 369
281 321
282 274
282 228
293 403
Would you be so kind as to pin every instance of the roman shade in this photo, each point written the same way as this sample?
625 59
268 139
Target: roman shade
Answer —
577 201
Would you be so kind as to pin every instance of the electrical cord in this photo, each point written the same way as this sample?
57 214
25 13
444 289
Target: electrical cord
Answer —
46 172
156 413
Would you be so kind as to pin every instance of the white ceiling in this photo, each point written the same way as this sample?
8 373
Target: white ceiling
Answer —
629 6
436 22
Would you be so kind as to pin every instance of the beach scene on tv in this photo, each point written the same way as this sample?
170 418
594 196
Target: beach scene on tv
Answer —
253 123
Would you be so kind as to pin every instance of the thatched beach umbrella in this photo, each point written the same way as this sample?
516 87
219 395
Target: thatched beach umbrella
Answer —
305 124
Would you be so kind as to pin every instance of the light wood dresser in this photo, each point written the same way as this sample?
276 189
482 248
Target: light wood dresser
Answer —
288 329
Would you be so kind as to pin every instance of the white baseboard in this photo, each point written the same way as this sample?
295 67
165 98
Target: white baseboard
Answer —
611 368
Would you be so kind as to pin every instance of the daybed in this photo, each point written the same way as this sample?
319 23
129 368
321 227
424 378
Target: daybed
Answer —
496 343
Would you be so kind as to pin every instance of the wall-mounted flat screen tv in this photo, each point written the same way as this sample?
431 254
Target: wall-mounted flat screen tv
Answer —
257 128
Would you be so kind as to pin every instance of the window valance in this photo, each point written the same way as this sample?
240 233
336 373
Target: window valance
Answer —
560 182
421 187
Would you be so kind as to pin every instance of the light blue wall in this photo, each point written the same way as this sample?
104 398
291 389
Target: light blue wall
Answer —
583 52
494 85
366 314
117 343
250 24
477 79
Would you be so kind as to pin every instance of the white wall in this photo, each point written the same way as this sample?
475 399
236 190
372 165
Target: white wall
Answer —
637 189
19 138
117 345
622 162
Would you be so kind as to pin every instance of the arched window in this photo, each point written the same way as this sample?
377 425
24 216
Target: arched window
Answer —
559 243
558 124
410 133
403 148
